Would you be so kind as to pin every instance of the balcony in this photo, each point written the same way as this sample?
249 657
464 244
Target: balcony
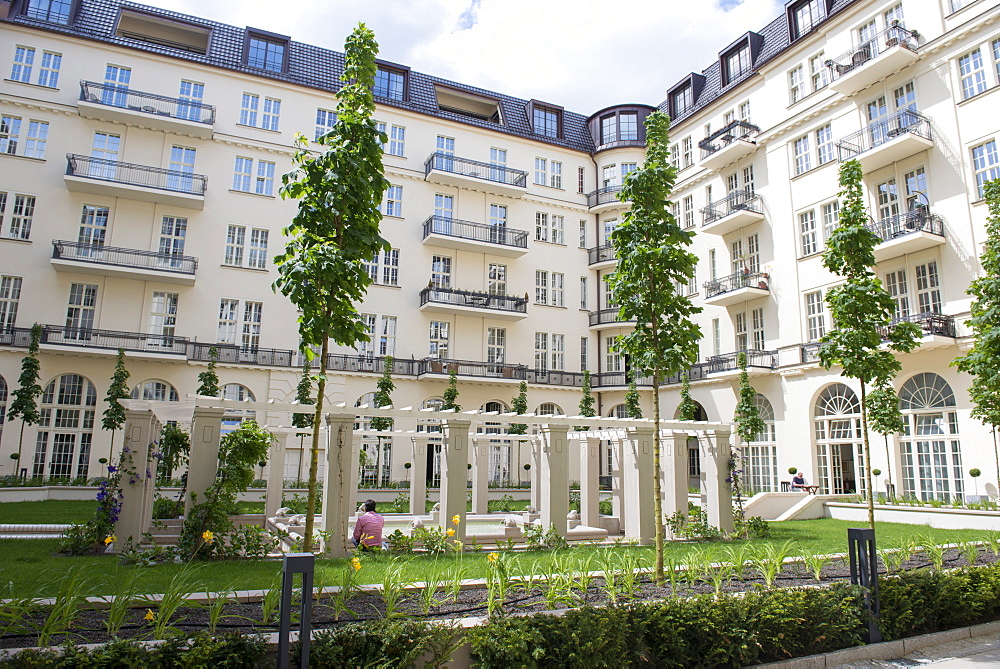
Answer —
107 342
738 209
123 263
107 102
599 257
472 369
607 380
607 318
238 355
473 303
98 176
726 366
368 364
888 52
809 353
913 231
478 237
737 288
442 168
551 377
604 199
938 330
887 140
727 145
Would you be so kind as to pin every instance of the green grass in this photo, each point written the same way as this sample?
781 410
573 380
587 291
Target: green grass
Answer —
58 512
28 567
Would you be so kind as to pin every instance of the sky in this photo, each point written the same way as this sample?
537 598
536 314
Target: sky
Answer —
583 55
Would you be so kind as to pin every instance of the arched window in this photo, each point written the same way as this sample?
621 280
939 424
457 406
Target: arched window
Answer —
548 409
839 446
432 425
618 411
930 447
66 429
499 467
155 391
233 417
761 454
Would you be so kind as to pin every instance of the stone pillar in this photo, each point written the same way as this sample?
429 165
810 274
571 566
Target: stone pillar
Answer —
203 463
339 485
716 471
534 475
617 448
637 478
454 474
418 474
276 472
675 467
554 475
136 513
590 478
480 475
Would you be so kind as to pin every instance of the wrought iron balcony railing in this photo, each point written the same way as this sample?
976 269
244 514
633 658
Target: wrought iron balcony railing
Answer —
85 337
496 370
727 284
476 169
132 258
728 362
479 232
470 298
723 137
111 95
620 379
857 57
930 323
244 355
916 220
738 200
809 352
606 316
553 377
601 253
100 169
605 195
877 133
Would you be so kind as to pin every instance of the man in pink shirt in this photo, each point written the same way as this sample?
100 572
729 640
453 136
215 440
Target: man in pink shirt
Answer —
368 529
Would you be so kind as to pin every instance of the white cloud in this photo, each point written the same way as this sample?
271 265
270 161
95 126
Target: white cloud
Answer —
581 54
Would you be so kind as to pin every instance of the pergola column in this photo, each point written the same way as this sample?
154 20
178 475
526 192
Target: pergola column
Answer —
717 490
590 480
418 475
617 449
534 475
637 478
480 475
554 476
203 462
675 450
136 500
276 473
454 475
340 482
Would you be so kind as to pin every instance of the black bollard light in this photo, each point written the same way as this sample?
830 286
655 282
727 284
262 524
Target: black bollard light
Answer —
296 563
864 572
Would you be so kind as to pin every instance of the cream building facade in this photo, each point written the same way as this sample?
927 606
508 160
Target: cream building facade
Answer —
142 152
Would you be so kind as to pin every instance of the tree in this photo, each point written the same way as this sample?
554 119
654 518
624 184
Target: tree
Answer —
652 258
114 415
209 379
520 406
586 401
632 406
384 388
302 396
861 309
24 404
450 393
336 229
749 425
884 417
688 408
981 360
175 447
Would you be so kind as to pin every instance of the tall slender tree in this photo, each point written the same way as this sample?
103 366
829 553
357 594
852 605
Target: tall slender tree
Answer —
861 309
24 404
114 416
632 406
383 398
587 401
652 258
336 229
303 420
982 360
450 394
749 424
884 417
688 408
208 380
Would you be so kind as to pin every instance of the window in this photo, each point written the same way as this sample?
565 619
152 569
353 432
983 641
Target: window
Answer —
628 127
496 279
687 152
541 171
612 358
831 218
541 351
555 174
438 339
805 16
81 310
397 140
22 211
818 72
583 234
558 231
687 206
236 248
384 269
550 228
930 447
803 160
558 357
270 112
583 292
249 326
163 318
894 15
745 111
796 84
972 74
985 165
737 63
681 101
807 230
955 5
541 287
546 121
441 272
257 257
390 84
740 328
325 120
757 329
895 285
824 145
266 54
887 199
173 231
581 173
584 346
815 315
609 129
67 417
249 108
716 337
10 295
54 11
23 67
761 453
234 245
33 145
496 345
24 60
928 288
550 288
191 94
916 186
393 201
181 168
243 179
93 227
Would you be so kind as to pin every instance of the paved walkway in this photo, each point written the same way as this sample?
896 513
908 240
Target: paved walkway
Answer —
978 652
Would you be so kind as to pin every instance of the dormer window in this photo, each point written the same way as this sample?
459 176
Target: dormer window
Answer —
467 104
546 119
609 129
804 15
162 31
681 101
628 127
266 51
390 83
53 11
737 63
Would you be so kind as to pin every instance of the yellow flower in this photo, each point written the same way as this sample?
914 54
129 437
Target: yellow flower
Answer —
208 536
110 539
356 563
456 519
451 532
149 614
493 557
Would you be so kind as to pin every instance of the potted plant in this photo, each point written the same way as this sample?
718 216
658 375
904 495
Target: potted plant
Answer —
975 474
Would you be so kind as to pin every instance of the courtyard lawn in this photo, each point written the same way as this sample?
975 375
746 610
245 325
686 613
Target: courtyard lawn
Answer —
29 567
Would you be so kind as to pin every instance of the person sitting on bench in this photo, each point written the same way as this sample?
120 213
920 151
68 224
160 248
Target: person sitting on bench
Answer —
799 482
368 529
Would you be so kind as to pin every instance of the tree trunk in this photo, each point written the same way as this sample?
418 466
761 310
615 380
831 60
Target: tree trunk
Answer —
20 440
298 474
657 492
314 453
888 466
868 456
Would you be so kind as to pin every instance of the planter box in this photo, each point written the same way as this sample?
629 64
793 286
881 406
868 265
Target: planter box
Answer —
947 519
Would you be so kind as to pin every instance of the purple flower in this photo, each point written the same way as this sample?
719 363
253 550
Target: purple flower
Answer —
112 469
